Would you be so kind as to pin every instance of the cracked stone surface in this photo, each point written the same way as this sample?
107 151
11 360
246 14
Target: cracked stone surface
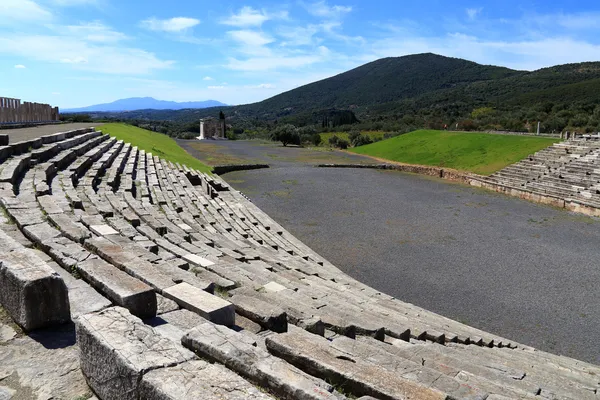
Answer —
197 380
117 349
40 365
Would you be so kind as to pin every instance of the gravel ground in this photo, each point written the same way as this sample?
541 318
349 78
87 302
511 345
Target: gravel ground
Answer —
16 135
524 271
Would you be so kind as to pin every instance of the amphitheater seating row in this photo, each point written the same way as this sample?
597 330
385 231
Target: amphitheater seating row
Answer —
566 170
180 287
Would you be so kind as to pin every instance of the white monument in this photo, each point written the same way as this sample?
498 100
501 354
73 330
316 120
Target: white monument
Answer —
201 137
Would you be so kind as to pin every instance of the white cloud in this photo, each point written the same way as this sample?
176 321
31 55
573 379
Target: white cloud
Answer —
67 3
20 66
207 78
216 87
83 55
273 62
247 16
56 93
322 9
298 35
250 38
518 54
575 21
261 86
472 13
12 11
171 25
93 32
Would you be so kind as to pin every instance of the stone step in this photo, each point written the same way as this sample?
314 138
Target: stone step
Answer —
233 350
316 356
211 307
119 287
32 293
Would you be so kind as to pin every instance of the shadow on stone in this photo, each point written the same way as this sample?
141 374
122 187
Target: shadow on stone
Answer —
56 337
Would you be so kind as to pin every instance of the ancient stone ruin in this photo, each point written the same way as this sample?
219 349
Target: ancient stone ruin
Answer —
212 128
12 111
566 175
181 288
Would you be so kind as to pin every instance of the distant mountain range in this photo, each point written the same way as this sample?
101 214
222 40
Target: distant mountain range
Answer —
145 103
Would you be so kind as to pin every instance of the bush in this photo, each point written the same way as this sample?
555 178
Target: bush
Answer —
286 134
343 144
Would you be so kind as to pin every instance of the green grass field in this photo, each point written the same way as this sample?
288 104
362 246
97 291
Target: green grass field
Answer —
155 143
344 135
481 153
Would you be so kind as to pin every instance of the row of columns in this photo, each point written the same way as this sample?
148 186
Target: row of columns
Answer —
13 111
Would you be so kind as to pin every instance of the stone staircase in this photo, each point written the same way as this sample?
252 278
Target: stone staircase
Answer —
181 288
567 170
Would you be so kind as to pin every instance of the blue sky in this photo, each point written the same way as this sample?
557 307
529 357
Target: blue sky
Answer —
79 52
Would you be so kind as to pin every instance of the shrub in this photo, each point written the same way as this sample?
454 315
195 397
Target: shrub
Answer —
343 144
286 134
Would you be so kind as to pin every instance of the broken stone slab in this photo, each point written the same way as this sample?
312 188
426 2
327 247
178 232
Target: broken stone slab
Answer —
233 349
75 231
39 233
165 305
267 315
117 349
206 305
26 216
273 287
49 205
82 297
314 355
196 260
119 287
197 379
103 230
371 352
219 281
34 295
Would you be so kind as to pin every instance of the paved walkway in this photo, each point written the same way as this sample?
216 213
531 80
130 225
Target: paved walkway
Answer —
16 135
521 270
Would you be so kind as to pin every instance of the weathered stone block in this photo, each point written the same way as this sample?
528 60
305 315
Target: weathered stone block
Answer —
117 349
103 230
197 380
211 307
33 294
234 351
267 315
314 355
197 260
119 287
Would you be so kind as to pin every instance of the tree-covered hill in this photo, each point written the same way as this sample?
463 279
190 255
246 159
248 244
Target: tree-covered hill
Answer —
424 90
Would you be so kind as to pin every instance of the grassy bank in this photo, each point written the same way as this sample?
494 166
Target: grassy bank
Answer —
476 152
155 143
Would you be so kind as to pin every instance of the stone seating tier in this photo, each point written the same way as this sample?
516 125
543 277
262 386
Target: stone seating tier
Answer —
162 268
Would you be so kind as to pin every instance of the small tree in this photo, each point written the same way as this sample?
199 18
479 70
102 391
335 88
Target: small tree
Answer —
286 134
316 139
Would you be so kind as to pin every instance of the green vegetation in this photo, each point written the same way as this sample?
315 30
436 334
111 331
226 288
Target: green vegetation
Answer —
374 135
476 152
155 143
401 94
